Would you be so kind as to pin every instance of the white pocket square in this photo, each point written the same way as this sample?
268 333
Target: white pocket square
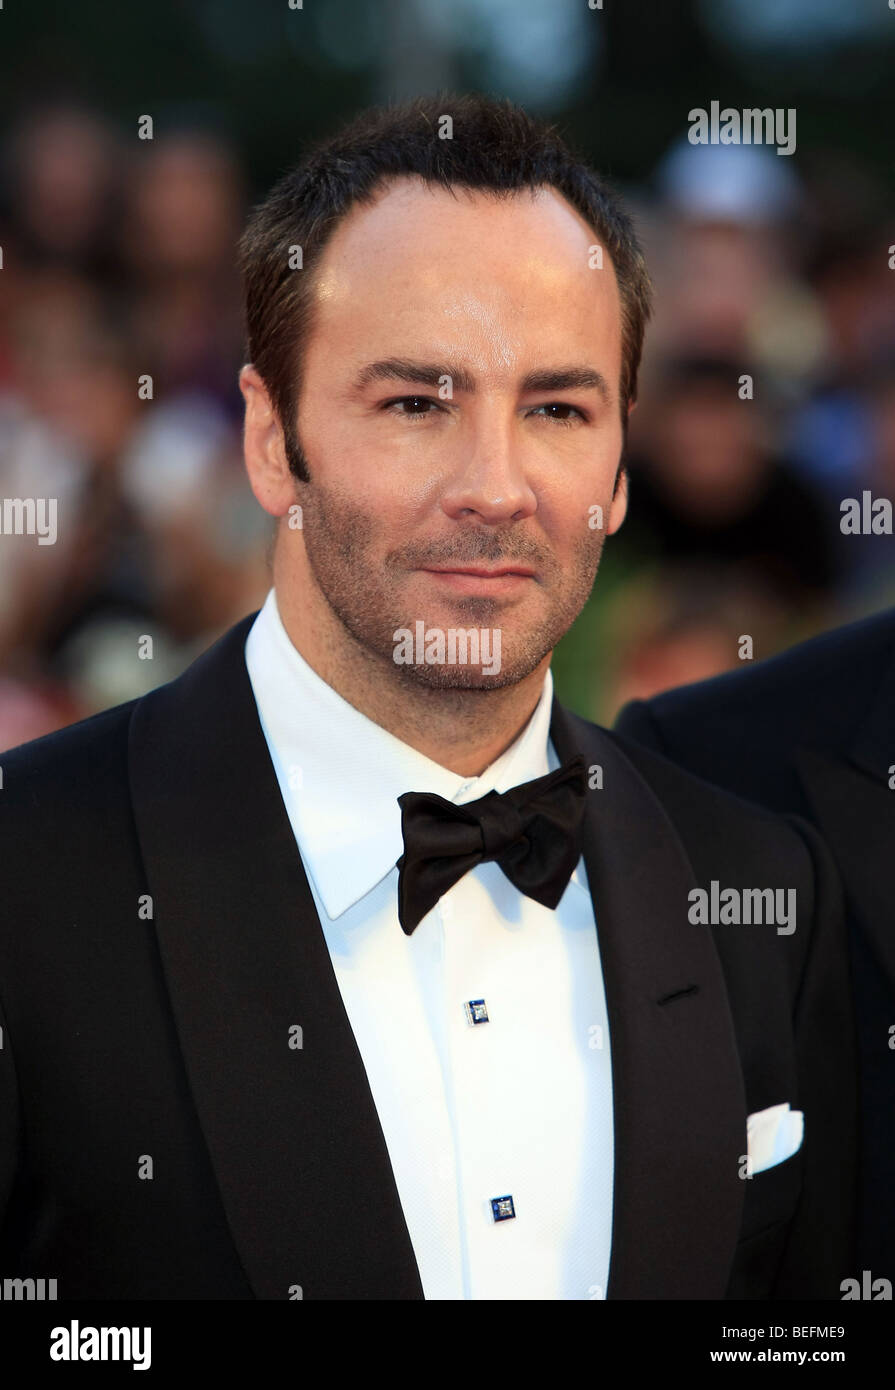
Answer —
773 1135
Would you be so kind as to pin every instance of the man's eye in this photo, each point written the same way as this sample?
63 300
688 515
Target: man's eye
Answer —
416 406
562 417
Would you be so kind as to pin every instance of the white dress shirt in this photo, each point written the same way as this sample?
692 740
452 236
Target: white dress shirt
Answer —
519 1106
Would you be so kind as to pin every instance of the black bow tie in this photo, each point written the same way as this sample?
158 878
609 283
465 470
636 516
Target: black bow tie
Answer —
533 831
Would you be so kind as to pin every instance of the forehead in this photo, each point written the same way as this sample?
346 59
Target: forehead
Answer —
425 260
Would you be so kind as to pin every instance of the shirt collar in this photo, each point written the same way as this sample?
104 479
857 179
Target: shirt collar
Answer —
341 774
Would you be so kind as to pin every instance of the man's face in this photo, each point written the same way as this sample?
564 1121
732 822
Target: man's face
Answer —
459 408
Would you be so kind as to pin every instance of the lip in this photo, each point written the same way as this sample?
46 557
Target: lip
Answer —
479 572
473 579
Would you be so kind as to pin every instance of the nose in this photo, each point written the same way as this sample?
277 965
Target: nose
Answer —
490 481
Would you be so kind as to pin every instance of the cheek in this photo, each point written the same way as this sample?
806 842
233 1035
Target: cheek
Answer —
579 497
357 458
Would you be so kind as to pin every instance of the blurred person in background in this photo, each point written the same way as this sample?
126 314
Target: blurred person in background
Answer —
62 167
727 283
34 463
707 484
183 202
76 367
157 531
845 262
146 537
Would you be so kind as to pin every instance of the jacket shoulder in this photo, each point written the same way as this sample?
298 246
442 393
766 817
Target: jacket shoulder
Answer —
65 769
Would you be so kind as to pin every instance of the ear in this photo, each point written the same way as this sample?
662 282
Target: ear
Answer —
619 506
264 447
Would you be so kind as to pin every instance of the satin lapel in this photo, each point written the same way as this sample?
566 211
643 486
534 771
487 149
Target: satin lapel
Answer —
293 1133
678 1096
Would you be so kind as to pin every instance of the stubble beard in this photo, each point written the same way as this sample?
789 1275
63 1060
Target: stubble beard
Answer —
339 544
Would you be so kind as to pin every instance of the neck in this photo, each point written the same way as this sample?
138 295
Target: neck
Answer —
461 730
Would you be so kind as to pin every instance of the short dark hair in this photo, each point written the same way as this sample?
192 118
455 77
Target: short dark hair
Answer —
495 146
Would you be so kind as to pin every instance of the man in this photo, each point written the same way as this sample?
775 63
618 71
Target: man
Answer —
813 732
350 964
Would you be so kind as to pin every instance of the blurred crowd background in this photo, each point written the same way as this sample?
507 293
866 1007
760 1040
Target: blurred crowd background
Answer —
118 264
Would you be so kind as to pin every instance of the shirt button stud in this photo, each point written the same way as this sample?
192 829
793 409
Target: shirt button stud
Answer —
476 1011
502 1208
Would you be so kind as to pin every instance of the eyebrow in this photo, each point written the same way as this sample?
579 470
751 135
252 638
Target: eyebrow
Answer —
572 378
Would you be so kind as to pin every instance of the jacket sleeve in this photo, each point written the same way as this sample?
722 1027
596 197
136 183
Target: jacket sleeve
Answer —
820 1250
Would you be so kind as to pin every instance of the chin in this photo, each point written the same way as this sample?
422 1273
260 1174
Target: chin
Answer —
466 677
447 678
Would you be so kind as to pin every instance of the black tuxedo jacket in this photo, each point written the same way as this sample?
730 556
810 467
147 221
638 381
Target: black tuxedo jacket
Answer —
161 1139
812 732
